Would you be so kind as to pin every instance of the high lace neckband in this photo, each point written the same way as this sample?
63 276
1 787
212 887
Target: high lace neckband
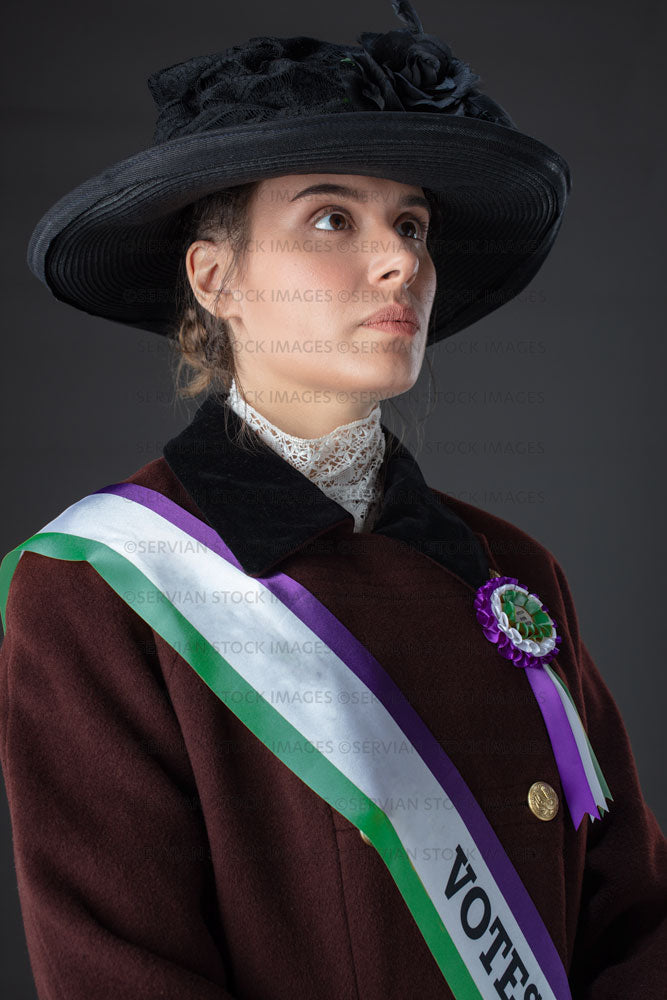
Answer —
343 463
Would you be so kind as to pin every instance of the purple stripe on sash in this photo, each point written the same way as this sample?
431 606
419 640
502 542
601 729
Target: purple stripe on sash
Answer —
359 659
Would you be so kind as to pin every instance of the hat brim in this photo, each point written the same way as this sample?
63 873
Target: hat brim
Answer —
110 246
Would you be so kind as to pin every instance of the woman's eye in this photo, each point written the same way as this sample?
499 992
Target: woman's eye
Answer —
332 212
421 228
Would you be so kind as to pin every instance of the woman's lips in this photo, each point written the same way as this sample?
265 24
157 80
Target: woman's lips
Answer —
394 326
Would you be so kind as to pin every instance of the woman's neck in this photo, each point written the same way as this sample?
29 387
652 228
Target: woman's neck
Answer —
312 419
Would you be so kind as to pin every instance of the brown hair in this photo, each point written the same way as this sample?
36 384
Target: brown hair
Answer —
200 340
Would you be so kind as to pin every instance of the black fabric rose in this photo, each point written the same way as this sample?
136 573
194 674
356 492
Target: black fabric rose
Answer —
413 71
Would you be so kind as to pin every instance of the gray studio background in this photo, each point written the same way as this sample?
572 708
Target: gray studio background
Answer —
577 462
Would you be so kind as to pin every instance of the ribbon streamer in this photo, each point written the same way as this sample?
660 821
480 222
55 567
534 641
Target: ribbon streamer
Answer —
524 632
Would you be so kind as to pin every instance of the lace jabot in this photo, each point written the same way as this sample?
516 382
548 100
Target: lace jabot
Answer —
344 463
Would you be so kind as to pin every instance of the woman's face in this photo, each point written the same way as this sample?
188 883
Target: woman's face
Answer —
318 265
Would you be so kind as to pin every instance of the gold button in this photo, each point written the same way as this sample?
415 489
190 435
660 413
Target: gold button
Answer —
365 839
542 800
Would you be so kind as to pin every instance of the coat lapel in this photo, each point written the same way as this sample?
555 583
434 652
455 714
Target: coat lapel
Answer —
265 509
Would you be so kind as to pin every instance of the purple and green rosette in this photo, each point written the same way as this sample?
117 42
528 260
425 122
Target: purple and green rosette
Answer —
520 626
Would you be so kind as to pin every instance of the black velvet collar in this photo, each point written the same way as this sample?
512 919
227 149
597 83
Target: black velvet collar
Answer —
265 509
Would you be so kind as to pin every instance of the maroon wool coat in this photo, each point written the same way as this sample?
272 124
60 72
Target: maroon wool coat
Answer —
163 851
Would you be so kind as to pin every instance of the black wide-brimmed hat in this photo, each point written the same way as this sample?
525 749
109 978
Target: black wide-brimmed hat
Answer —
398 106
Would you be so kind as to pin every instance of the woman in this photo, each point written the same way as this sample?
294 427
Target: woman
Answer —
261 731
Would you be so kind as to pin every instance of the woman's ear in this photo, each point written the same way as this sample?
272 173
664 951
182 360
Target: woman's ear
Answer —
206 263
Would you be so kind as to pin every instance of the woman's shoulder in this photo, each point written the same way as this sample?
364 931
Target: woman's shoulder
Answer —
506 540
41 585
521 555
157 475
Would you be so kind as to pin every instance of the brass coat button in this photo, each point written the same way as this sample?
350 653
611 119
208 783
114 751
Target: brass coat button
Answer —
543 800
365 839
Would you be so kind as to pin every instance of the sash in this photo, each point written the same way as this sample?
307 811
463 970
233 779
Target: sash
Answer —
363 749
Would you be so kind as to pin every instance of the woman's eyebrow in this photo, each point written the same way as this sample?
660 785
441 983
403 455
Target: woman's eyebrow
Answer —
405 201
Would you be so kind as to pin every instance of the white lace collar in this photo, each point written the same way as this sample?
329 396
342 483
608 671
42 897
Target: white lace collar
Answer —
344 463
